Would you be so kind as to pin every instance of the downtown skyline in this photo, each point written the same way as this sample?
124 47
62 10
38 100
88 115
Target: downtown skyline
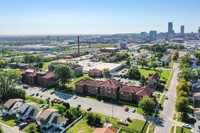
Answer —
96 17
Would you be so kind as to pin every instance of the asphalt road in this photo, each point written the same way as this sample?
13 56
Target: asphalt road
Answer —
168 110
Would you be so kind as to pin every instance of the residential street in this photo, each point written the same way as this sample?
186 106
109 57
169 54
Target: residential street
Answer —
168 110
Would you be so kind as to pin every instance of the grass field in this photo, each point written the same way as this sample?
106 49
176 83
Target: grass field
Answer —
134 127
185 130
162 100
8 120
169 81
146 71
172 129
152 128
132 83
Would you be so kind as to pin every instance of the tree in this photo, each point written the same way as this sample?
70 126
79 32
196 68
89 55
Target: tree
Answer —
1 130
182 105
67 105
8 81
154 65
133 73
182 94
52 103
31 128
128 62
63 74
106 72
16 93
183 87
187 74
163 64
142 61
143 81
175 56
197 71
186 59
147 105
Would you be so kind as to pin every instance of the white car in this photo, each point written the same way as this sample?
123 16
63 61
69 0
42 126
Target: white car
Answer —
187 126
75 97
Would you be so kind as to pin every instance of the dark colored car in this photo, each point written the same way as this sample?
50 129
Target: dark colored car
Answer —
37 94
89 109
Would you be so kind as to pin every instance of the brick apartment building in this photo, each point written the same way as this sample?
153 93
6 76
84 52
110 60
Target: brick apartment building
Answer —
41 78
95 73
113 89
78 69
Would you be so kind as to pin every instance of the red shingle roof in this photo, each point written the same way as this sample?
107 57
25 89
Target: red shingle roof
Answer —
33 74
146 91
95 71
48 75
130 89
112 83
88 82
154 76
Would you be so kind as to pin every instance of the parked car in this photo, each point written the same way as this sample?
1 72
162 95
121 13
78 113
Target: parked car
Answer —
57 100
75 97
187 126
32 94
89 109
22 125
61 101
25 86
78 105
46 106
126 109
41 105
37 94
134 110
43 90
52 92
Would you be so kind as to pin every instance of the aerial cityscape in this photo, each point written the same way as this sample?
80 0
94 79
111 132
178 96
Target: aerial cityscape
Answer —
100 66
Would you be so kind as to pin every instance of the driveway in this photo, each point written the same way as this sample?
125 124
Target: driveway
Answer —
168 111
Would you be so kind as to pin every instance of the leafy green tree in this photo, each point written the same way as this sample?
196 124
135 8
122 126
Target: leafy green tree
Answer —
187 74
183 87
175 56
133 73
163 64
186 59
1 130
31 128
128 62
63 74
182 93
147 105
67 105
182 105
142 61
106 72
143 81
154 65
8 81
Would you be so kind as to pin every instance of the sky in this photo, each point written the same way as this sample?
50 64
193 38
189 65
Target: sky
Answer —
49 17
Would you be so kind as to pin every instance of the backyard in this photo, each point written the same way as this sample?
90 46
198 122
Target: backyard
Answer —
134 127
182 130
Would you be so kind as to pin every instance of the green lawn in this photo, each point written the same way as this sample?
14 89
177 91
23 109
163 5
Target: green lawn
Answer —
45 65
180 129
162 100
157 97
131 83
171 64
8 120
172 129
146 71
152 128
134 127
170 79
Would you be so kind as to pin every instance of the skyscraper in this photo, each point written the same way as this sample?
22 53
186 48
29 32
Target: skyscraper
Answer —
182 29
153 33
170 28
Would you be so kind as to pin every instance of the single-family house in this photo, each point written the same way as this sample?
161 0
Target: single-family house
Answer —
27 110
153 80
109 129
11 106
50 117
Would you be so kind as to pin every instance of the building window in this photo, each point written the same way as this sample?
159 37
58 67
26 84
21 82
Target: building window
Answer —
121 92
109 92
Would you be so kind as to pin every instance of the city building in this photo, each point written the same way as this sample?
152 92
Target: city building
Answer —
123 45
153 34
95 73
170 30
153 80
182 29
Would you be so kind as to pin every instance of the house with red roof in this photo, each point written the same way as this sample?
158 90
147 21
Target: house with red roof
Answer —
153 80
95 73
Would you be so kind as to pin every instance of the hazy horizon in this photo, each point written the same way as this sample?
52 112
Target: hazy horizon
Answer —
83 17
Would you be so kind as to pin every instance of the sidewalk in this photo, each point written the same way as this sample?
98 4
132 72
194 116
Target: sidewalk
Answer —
8 129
